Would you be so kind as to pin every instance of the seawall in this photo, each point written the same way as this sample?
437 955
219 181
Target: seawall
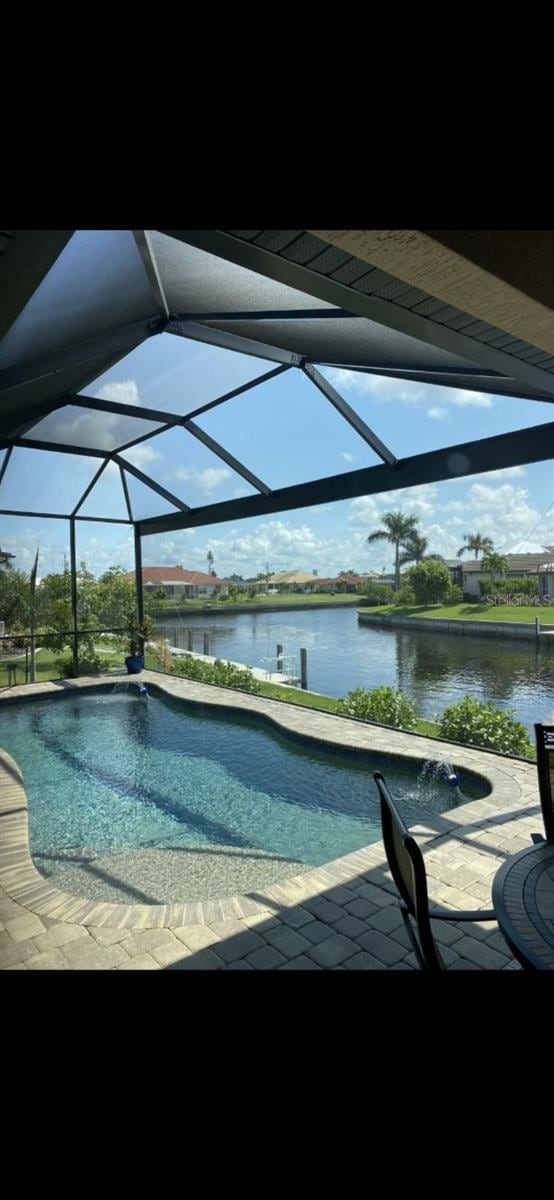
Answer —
211 610
490 629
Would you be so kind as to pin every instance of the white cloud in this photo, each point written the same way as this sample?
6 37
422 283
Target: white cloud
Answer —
406 391
141 455
420 499
490 476
282 544
469 399
437 414
125 392
380 387
454 506
207 480
347 457
364 513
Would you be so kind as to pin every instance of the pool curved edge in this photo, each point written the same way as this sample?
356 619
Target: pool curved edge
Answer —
512 786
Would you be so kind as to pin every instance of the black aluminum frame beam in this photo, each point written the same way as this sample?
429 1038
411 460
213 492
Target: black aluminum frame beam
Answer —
244 387
146 251
126 493
232 341
49 516
59 448
390 369
150 483
453 462
165 419
89 487
460 380
120 340
272 314
74 598
349 415
173 420
228 458
383 312
5 463
139 592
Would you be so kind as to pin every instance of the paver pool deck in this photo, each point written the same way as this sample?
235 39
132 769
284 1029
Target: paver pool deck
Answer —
344 915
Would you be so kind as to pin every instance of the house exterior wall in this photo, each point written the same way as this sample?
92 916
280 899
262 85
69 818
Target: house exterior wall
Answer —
546 584
185 591
470 583
471 579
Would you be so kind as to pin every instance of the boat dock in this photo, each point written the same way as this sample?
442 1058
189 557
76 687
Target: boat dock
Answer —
284 678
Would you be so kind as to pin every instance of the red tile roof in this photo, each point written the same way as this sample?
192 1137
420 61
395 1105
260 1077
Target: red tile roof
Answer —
176 575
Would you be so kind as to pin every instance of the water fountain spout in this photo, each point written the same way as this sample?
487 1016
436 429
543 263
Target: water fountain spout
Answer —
445 771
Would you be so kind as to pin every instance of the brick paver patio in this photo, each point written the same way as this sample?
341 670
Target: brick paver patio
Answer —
342 916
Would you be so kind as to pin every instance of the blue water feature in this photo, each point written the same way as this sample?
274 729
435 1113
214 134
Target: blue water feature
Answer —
105 772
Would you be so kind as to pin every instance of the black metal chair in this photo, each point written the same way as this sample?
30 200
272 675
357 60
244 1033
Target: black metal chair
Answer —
408 871
544 738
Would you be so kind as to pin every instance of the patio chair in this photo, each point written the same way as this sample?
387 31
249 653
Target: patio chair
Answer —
408 871
544 737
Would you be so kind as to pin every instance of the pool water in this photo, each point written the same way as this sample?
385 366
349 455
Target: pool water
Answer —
114 779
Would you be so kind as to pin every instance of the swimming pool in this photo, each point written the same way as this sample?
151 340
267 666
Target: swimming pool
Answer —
151 800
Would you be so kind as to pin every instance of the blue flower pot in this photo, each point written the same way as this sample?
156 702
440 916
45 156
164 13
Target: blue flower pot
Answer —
134 664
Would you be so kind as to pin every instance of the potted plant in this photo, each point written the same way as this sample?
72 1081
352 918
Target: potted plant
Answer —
138 632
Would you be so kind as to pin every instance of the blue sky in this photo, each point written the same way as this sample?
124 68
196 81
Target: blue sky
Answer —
285 431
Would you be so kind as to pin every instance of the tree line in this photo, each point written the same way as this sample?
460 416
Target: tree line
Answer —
101 603
429 582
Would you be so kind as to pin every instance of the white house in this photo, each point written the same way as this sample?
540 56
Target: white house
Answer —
520 566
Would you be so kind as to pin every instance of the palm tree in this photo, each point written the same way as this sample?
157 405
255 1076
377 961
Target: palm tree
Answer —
400 530
414 549
476 542
496 564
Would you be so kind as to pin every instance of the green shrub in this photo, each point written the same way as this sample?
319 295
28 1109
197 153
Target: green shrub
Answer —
430 581
89 664
383 704
510 587
454 595
377 593
484 725
223 673
404 597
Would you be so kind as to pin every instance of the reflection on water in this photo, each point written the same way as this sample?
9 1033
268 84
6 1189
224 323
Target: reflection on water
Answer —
434 669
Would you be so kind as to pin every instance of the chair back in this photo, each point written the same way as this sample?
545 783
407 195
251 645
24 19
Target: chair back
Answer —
544 737
408 871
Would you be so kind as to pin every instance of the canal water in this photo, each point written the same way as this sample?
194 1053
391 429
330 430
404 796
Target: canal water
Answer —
435 670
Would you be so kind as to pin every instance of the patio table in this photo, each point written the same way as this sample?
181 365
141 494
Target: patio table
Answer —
523 899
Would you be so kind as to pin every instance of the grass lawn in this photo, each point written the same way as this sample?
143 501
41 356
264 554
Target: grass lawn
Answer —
46 664
284 598
523 614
